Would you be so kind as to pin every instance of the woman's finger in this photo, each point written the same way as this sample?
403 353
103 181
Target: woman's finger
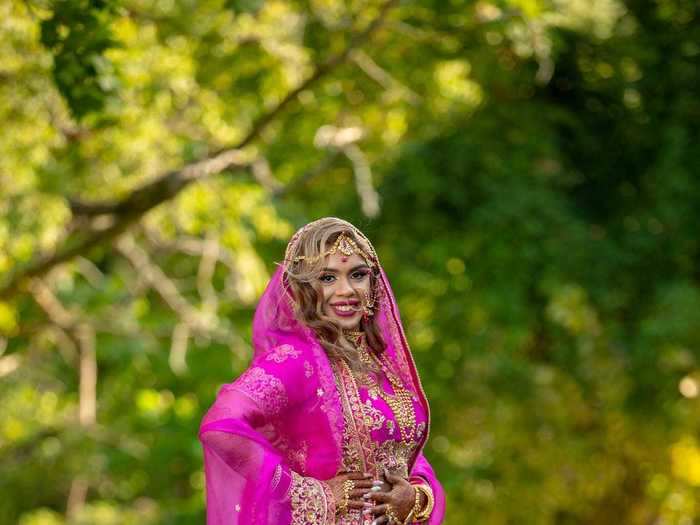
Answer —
364 484
378 510
358 494
358 475
381 497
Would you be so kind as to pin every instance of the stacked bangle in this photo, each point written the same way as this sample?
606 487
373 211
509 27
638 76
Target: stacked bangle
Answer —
425 512
415 510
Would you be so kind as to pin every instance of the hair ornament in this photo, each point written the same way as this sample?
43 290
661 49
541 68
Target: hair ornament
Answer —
343 244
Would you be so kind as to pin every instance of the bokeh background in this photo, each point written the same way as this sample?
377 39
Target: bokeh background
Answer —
527 169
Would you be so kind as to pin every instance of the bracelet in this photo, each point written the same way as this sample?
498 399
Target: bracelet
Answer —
424 514
416 507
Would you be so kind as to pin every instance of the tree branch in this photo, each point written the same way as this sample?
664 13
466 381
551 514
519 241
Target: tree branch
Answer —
191 320
134 206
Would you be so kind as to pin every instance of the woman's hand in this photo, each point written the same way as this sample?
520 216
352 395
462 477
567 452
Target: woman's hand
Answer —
363 483
401 497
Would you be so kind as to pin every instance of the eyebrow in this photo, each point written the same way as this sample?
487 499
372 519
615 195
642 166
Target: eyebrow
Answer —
358 267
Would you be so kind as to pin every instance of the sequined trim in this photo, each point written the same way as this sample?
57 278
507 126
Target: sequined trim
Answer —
406 358
360 451
280 353
276 476
311 501
264 388
357 435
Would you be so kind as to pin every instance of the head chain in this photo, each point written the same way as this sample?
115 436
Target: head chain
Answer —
294 241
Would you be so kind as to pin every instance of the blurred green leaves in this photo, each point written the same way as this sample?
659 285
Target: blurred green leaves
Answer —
536 166
78 33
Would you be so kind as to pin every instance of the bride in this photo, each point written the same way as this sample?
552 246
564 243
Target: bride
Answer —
328 423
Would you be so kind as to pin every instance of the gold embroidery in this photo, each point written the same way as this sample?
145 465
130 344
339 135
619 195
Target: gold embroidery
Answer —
310 502
395 455
360 452
352 457
352 409
374 419
264 388
400 402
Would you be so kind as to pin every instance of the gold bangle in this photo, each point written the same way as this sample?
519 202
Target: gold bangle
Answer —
408 519
424 514
416 504
416 508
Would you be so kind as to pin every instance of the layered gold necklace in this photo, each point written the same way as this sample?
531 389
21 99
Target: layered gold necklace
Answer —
401 401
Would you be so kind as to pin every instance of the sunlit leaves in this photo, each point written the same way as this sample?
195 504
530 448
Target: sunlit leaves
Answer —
78 34
536 165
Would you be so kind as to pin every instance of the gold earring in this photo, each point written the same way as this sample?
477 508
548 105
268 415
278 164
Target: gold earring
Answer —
368 305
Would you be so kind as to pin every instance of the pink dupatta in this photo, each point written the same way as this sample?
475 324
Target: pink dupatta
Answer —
275 433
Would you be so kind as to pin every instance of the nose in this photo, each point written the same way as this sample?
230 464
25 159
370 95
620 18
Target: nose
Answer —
344 289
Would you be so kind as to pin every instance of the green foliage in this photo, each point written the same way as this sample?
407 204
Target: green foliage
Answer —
78 33
536 164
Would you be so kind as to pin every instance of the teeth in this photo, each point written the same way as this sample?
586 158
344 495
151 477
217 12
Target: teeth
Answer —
343 308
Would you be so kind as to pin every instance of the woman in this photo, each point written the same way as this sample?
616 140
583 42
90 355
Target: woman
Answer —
328 423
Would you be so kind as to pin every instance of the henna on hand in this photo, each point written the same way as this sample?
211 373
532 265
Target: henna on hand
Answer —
401 497
363 483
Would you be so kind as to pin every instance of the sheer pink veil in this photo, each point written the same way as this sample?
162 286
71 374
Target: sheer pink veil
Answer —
282 417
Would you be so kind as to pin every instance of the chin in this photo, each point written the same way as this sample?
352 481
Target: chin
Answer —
348 323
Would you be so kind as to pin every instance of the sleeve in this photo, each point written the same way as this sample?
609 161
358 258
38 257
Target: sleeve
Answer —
423 474
248 481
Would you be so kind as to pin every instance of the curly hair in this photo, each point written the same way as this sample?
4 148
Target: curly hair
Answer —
302 277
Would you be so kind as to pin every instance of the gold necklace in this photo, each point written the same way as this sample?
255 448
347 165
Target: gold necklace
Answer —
400 402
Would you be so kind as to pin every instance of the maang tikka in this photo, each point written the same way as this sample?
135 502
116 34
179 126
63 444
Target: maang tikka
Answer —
343 244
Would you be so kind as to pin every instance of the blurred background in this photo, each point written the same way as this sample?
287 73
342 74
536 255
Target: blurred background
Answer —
527 169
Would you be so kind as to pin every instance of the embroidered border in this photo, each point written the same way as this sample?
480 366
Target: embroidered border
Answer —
407 360
359 435
276 476
310 502
264 388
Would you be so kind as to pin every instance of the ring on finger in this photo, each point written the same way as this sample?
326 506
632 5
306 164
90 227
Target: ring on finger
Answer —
389 512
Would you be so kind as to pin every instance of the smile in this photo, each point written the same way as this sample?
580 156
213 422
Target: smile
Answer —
344 310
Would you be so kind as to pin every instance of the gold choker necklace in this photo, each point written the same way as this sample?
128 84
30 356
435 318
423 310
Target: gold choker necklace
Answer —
355 336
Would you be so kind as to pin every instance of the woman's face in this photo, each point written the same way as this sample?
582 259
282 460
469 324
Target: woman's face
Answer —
345 281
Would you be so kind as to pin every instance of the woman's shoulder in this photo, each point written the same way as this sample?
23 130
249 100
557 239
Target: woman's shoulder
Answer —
280 353
294 365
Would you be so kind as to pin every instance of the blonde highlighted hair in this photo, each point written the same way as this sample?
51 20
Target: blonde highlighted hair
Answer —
303 275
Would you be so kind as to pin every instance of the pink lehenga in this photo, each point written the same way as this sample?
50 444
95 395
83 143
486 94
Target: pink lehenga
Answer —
294 419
